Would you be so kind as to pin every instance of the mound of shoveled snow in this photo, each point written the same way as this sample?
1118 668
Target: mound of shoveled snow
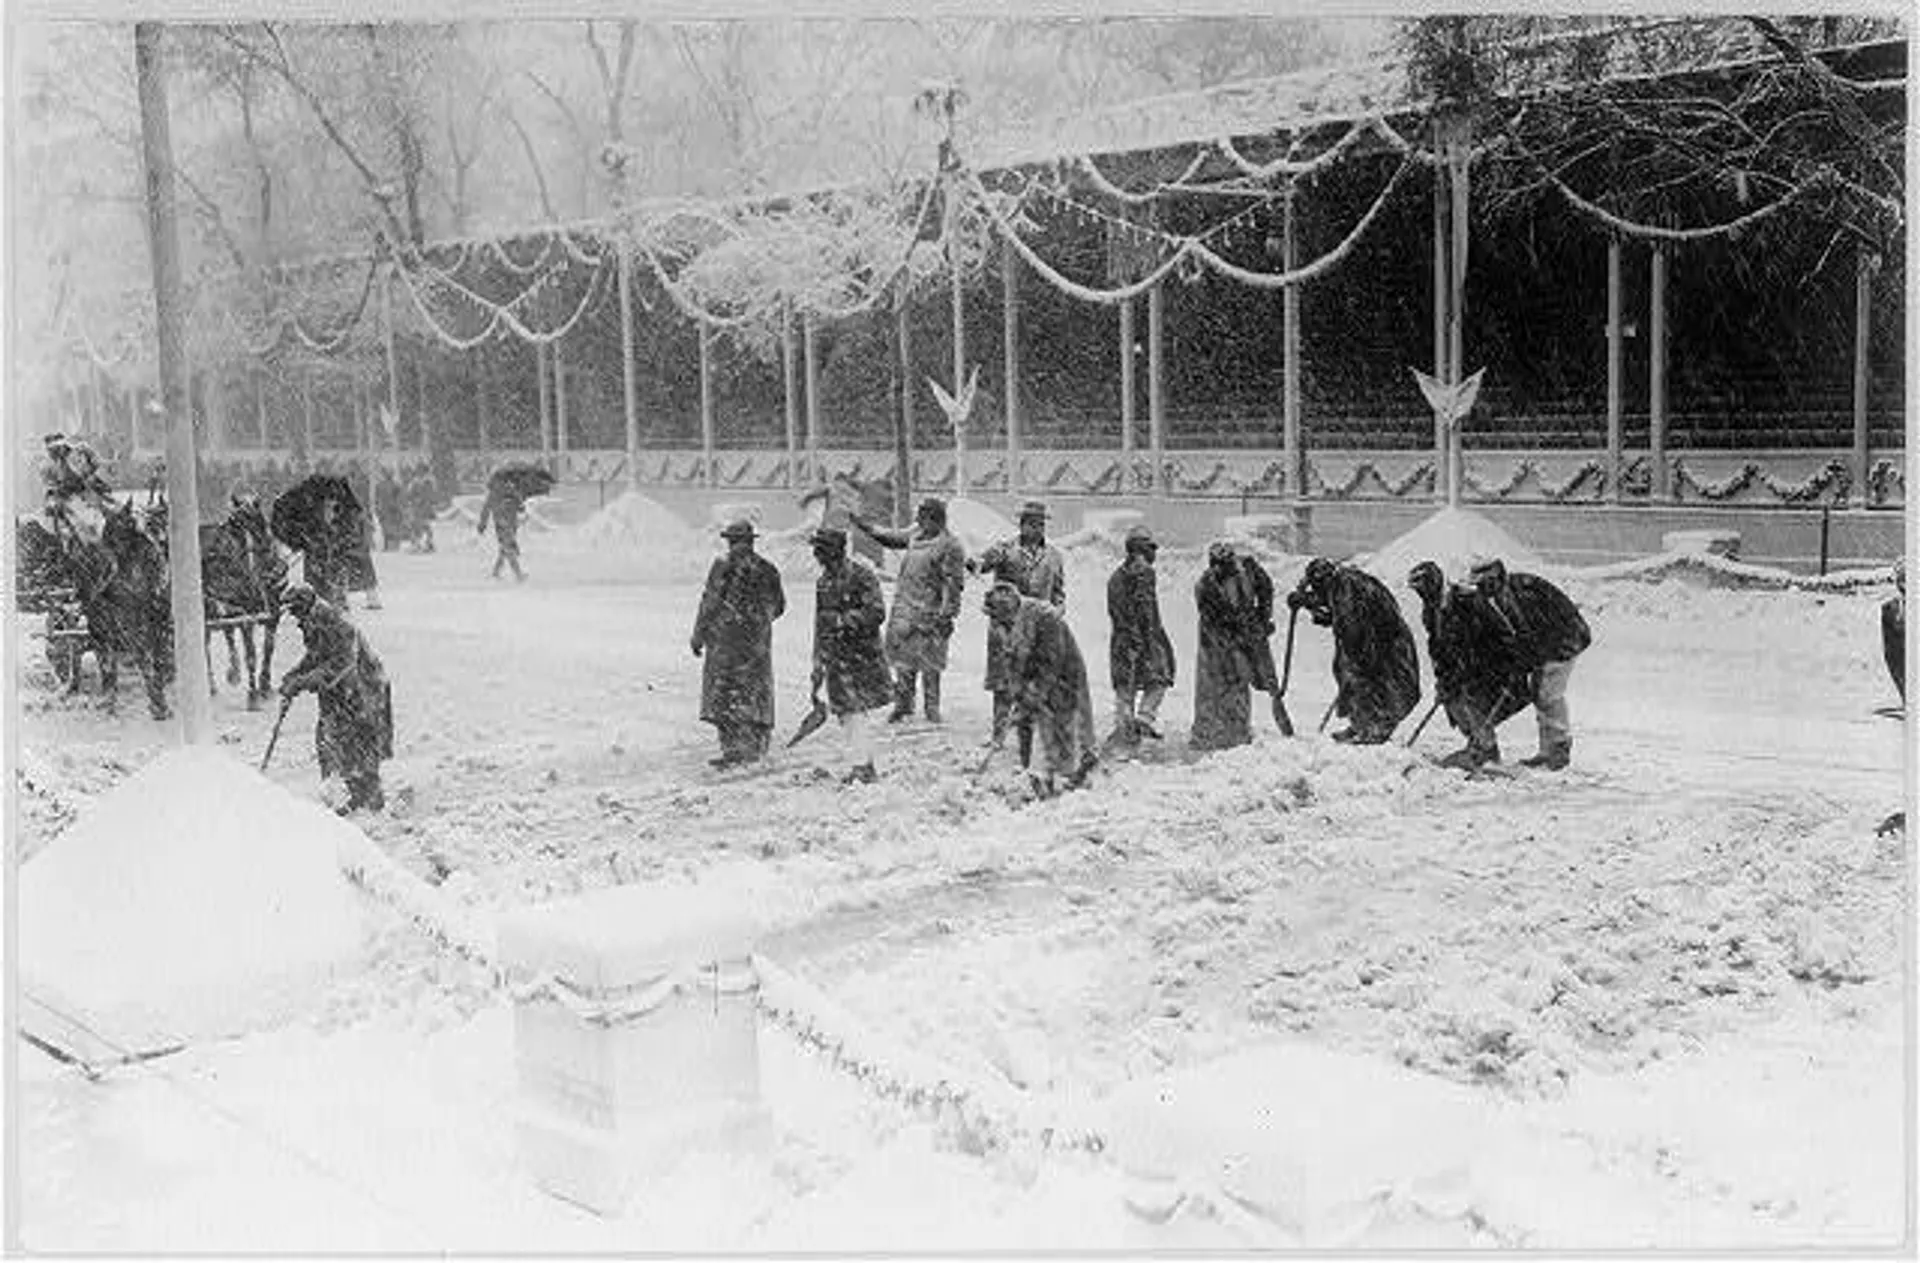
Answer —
635 519
195 899
1452 538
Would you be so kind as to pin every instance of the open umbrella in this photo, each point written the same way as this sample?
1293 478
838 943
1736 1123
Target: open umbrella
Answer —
296 511
521 481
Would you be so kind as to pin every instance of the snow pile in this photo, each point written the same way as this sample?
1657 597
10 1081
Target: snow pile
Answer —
196 899
978 526
635 520
1453 538
1719 571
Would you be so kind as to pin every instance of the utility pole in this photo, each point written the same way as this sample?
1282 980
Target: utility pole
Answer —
183 516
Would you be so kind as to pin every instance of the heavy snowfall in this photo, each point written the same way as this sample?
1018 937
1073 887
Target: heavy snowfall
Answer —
1304 993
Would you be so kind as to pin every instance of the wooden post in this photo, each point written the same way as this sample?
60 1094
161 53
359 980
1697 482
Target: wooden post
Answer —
1442 345
1460 160
1293 453
1616 365
1865 264
183 516
1010 319
1126 396
903 403
1657 378
306 416
387 442
706 403
814 472
959 341
792 400
483 402
546 403
629 389
1156 386
562 442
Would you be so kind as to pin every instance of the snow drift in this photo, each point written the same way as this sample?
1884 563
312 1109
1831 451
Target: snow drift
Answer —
634 519
1453 538
197 899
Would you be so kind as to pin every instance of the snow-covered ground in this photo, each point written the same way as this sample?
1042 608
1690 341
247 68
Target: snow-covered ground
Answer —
1668 984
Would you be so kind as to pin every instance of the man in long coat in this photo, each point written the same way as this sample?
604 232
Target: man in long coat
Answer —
1376 667
1139 653
734 632
355 730
1476 673
926 600
847 658
1234 596
1048 679
1035 568
1548 634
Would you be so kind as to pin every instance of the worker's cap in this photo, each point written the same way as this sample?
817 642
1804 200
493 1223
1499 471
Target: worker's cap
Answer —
1141 536
1033 510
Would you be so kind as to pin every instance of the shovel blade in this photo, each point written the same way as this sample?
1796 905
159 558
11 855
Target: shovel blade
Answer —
810 725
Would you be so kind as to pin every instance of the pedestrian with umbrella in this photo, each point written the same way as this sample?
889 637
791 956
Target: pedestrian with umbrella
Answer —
319 518
507 494
734 635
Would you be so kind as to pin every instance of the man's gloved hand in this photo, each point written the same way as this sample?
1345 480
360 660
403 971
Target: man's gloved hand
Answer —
1296 599
290 688
695 645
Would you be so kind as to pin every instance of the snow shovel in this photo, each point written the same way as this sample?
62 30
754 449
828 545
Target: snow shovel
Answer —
811 724
1422 725
1280 715
286 704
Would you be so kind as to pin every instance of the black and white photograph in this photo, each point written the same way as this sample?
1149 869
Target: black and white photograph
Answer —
925 631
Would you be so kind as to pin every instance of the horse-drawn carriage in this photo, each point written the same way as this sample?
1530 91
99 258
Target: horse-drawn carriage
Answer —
97 575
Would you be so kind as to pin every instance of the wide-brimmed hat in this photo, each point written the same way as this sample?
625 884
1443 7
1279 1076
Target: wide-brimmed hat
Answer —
831 536
739 528
1033 508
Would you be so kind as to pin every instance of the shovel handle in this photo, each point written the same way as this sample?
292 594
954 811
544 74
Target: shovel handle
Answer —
286 704
1286 671
1422 725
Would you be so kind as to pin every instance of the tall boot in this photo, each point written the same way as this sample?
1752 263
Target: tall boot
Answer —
902 696
931 683
1025 733
1554 758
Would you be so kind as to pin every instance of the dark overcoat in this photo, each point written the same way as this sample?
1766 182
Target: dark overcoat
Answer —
734 631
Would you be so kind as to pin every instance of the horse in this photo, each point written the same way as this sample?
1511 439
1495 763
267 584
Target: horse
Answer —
43 584
122 586
243 575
